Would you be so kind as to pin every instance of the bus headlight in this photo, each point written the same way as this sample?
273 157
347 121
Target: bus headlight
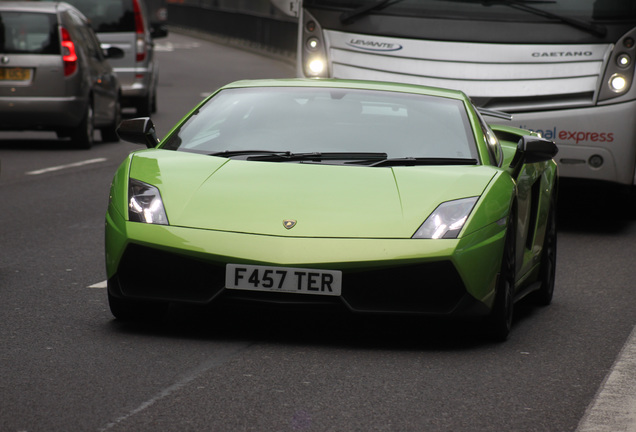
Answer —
618 83
623 61
619 73
313 44
313 54
316 67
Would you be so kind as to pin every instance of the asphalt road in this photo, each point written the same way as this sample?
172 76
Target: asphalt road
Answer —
67 365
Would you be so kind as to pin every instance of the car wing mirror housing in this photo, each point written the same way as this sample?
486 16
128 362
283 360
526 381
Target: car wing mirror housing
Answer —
532 149
139 131
158 30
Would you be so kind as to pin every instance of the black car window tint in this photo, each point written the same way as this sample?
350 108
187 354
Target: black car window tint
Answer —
28 33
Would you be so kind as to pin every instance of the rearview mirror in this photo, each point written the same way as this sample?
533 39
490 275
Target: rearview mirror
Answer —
138 131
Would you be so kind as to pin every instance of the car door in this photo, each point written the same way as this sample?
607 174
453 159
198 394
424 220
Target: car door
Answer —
528 194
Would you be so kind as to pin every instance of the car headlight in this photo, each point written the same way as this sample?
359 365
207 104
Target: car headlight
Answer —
447 219
145 204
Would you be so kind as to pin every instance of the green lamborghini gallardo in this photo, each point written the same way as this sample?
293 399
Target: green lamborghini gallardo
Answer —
373 197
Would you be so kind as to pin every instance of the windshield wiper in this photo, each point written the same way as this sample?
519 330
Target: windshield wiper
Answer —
231 153
317 156
413 161
352 15
523 5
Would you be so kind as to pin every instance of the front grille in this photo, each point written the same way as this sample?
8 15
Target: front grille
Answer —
425 288
428 288
151 273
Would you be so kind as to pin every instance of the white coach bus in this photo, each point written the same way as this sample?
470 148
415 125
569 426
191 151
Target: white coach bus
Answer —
563 68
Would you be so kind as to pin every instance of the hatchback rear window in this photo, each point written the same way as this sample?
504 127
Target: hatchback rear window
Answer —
28 33
108 16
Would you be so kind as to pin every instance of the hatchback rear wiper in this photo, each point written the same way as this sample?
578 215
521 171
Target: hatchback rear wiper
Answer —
523 5
413 161
317 156
350 16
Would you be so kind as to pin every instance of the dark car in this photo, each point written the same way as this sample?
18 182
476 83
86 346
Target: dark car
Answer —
54 75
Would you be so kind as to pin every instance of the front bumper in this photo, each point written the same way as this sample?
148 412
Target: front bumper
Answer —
394 276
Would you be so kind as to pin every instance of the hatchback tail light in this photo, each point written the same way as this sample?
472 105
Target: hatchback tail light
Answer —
69 56
141 32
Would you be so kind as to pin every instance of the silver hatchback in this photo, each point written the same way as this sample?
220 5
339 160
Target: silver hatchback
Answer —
125 24
54 75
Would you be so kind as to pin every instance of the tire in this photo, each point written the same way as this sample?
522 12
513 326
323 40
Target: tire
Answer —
109 133
82 135
144 105
543 296
153 104
63 133
128 310
499 322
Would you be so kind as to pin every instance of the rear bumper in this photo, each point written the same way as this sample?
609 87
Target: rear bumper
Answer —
41 113
135 83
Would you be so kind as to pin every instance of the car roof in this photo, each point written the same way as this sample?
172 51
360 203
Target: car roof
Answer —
350 84
33 6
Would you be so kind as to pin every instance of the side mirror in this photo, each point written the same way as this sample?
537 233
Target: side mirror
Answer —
158 30
537 149
138 131
532 149
111 52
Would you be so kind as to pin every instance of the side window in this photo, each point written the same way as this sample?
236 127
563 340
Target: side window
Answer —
83 33
93 42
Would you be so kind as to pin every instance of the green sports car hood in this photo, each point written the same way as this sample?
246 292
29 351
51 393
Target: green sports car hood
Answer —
216 193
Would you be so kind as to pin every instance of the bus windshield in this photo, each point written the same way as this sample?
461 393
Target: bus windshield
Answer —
498 10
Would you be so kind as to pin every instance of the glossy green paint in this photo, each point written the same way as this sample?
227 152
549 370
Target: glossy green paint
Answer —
326 200
474 255
347 217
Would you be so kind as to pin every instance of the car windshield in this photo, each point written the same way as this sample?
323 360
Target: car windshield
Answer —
28 33
492 9
371 124
107 15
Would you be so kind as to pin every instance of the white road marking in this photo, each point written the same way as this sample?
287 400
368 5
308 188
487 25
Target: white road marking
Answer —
170 47
71 165
221 355
102 284
614 407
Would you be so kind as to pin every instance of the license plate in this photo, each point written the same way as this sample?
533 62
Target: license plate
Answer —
15 74
283 279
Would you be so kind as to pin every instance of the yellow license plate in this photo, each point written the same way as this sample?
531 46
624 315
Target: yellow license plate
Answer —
15 74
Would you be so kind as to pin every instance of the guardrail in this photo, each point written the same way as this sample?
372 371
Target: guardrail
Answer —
259 26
